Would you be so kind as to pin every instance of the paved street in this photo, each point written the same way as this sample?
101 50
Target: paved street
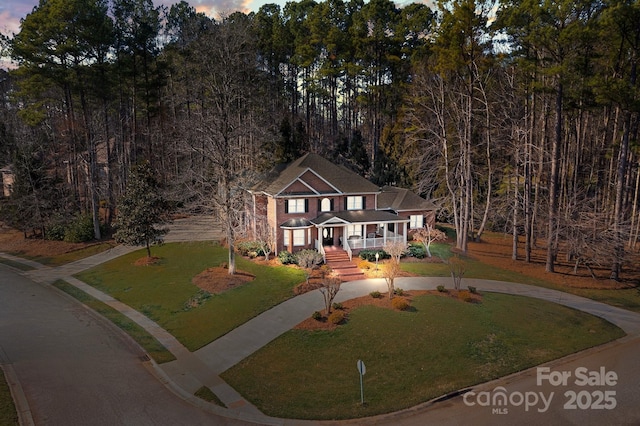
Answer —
77 369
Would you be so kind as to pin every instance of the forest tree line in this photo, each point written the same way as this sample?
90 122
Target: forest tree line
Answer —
516 116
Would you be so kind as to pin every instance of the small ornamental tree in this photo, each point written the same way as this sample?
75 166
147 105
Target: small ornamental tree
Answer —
141 210
329 287
392 268
428 235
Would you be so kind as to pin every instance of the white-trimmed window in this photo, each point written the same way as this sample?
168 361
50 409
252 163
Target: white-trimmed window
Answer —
416 221
354 230
298 237
297 205
355 203
325 205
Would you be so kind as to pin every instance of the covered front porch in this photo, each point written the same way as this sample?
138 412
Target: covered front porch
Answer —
359 230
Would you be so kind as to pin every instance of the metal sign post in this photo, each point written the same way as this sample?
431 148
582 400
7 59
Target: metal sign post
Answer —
362 370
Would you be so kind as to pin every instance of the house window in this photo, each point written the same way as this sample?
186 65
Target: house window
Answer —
298 237
354 231
325 205
355 203
416 221
297 205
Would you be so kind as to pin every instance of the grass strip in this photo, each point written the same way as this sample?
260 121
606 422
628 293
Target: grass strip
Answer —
442 345
8 413
18 265
207 394
150 344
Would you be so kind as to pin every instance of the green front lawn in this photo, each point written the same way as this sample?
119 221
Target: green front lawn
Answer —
162 291
441 346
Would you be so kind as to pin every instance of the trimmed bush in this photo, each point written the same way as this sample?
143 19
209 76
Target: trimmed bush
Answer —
370 255
364 264
417 251
316 316
398 292
337 306
465 296
400 303
336 317
287 258
308 258
473 290
441 289
375 294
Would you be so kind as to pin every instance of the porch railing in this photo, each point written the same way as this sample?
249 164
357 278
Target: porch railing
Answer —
320 249
377 242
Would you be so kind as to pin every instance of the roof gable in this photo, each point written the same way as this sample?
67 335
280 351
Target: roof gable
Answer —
400 199
319 175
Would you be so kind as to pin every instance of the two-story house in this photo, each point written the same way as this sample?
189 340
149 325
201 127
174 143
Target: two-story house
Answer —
313 203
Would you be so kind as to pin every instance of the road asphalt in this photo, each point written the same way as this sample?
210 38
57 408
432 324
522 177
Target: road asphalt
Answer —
190 371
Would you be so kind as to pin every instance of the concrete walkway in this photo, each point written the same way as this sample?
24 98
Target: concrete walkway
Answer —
190 371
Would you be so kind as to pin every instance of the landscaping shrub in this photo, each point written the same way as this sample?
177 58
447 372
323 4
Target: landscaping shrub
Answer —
370 255
55 232
308 258
417 251
400 303
473 290
287 258
441 289
80 230
337 306
465 296
398 292
364 264
247 248
336 317
316 316
375 294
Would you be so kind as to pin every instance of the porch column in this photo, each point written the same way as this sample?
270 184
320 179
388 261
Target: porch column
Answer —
290 248
320 237
404 234
384 234
344 237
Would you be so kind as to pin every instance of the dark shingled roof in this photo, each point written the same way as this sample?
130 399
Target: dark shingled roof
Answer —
344 180
358 216
400 199
296 223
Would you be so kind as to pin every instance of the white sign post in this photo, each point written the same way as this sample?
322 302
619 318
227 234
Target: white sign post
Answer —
362 370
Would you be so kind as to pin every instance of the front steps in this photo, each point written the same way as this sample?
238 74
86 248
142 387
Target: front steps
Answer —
345 269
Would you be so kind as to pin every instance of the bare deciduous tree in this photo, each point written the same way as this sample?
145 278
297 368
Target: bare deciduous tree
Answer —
395 249
428 235
329 287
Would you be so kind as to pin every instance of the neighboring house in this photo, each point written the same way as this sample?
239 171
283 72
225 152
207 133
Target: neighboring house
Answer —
7 180
312 203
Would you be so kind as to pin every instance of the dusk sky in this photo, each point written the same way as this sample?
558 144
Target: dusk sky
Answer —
11 11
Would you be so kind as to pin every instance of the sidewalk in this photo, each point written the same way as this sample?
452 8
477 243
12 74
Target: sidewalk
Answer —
190 371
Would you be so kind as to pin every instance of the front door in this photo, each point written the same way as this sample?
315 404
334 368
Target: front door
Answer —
327 236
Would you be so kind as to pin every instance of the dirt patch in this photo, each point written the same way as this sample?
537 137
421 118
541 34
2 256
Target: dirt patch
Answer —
217 280
496 249
146 261
382 302
12 241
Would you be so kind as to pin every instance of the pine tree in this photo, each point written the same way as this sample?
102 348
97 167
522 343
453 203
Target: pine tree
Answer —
141 211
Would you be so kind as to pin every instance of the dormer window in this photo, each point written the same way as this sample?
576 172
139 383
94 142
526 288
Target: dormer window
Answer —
355 203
